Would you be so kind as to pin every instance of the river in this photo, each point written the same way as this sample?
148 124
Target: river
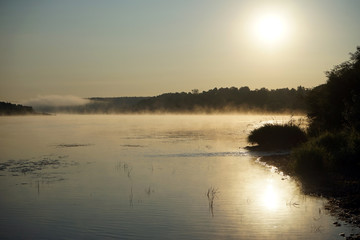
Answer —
148 177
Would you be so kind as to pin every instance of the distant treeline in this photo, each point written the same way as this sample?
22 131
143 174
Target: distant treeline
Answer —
15 109
228 100
215 100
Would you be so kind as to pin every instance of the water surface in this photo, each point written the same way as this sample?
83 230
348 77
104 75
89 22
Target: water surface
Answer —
148 177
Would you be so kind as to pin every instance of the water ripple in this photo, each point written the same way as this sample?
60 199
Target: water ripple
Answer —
220 154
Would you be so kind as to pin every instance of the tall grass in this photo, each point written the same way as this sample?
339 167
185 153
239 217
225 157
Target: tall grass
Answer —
330 152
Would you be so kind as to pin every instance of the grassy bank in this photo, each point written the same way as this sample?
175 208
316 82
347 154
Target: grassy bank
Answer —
326 165
330 153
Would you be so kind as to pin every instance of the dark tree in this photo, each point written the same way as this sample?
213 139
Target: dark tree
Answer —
336 104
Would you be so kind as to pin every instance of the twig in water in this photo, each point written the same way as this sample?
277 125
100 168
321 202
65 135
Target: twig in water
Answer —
131 196
211 194
149 191
292 204
129 173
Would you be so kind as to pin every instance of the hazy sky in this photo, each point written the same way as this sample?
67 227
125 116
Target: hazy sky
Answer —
108 48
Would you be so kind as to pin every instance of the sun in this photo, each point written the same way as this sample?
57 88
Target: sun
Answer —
270 29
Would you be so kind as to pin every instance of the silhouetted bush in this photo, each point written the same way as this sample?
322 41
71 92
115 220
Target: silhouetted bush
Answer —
277 136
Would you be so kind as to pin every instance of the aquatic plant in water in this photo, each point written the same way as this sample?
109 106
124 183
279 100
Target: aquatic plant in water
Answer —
211 194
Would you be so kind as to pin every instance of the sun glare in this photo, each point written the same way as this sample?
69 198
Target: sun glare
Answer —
270 28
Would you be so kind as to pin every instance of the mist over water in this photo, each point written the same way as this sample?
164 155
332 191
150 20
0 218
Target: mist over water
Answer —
53 102
148 177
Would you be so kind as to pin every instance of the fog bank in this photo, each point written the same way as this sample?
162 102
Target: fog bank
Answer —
56 101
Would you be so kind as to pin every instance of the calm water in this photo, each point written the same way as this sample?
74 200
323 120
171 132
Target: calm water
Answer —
147 177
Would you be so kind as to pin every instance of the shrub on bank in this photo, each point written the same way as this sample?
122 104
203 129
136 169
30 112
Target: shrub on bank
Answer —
336 152
277 136
332 152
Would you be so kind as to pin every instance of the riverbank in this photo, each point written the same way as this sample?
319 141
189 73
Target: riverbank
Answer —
343 192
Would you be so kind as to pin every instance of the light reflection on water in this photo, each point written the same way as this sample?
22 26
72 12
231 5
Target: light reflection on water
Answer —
147 177
270 198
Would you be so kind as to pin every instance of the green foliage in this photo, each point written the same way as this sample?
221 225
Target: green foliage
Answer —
277 136
308 159
336 152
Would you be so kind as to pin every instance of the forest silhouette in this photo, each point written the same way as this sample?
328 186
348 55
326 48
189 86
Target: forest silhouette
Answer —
15 109
217 100
228 100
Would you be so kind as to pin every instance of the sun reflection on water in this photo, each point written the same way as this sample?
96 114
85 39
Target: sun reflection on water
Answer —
270 197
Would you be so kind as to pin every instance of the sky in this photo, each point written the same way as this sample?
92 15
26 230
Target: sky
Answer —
113 48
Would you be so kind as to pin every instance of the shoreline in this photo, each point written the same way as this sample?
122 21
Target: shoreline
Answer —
342 193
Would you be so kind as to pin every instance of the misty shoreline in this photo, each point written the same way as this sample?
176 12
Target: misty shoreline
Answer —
213 101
